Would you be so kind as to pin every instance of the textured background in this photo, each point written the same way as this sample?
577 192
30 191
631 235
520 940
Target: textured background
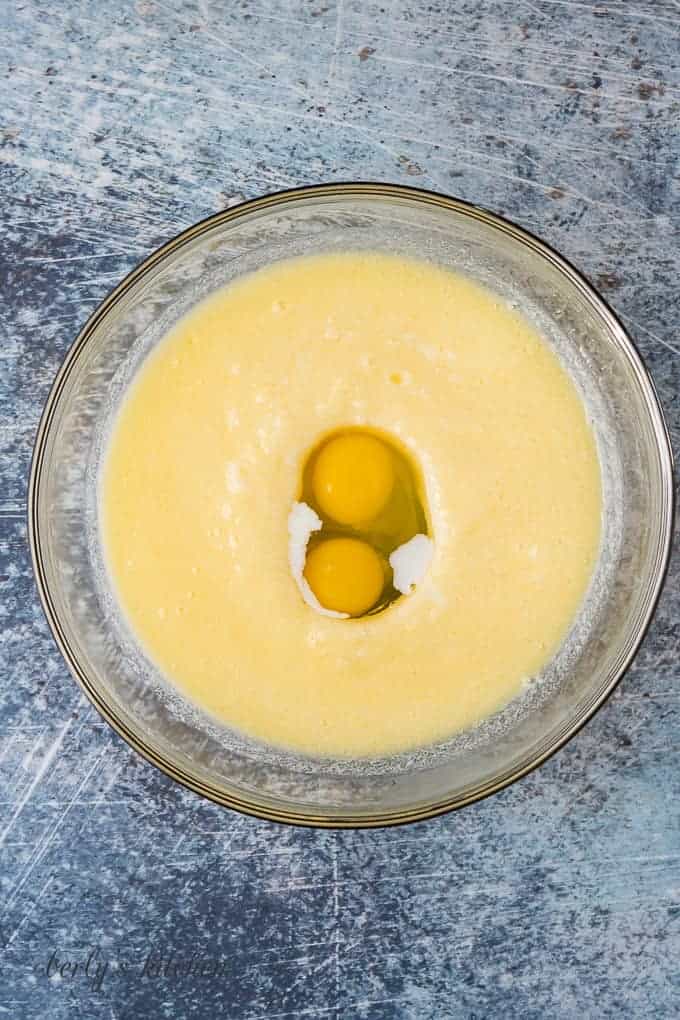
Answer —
121 124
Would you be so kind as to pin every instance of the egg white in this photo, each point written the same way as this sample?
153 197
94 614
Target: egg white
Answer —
302 523
410 562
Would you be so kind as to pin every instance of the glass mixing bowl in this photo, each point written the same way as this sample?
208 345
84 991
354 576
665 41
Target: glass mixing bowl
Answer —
226 766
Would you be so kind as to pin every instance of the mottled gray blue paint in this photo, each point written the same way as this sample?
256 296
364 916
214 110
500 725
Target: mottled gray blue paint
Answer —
120 125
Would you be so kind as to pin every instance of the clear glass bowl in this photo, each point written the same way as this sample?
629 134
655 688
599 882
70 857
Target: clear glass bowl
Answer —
638 493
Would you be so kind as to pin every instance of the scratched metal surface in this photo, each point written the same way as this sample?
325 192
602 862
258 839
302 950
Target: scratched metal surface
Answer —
559 897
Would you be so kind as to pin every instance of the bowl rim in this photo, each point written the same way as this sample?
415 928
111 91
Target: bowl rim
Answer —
343 190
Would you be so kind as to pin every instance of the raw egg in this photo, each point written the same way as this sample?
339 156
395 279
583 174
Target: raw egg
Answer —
359 534
353 478
345 574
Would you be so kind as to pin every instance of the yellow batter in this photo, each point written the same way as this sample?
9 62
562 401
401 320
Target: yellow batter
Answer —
204 464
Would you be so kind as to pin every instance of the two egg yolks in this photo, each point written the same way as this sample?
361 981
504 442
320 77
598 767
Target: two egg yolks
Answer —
352 481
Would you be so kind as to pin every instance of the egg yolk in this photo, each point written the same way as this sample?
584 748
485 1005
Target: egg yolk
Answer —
353 478
345 574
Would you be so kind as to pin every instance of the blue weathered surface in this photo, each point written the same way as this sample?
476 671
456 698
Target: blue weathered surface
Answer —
120 125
